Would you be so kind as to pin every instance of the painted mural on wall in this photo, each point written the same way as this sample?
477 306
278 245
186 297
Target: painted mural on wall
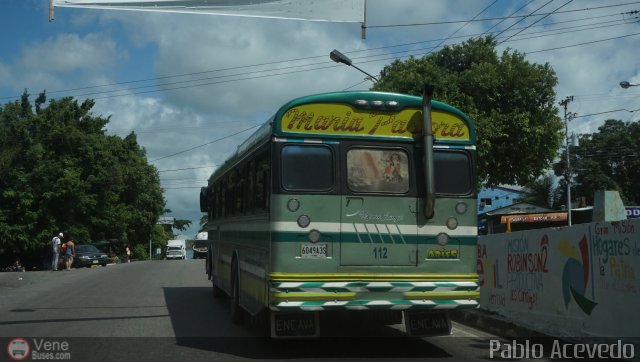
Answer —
582 280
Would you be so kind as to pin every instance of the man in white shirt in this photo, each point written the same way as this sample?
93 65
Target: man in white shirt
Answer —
55 244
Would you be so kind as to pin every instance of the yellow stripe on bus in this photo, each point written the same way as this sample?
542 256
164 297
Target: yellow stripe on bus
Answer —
295 297
453 295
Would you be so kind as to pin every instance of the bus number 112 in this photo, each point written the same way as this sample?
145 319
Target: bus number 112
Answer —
380 252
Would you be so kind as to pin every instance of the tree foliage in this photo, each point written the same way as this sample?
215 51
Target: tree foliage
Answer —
543 192
510 100
59 171
606 160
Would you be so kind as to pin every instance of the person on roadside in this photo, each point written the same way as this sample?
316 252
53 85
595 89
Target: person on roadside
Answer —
128 254
17 266
70 253
55 247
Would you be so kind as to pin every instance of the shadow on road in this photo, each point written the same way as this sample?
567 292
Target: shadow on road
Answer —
202 322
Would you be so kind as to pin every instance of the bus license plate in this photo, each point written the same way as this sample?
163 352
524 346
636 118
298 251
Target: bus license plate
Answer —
313 250
424 323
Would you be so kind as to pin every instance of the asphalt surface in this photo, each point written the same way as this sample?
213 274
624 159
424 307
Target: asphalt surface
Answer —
164 310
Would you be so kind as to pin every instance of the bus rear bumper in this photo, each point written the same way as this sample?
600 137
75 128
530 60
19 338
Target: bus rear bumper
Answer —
375 295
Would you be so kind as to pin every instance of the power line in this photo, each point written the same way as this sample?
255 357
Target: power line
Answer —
513 13
539 20
271 63
408 53
204 144
188 168
577 27
613 111
580 44
466 23
269 70
524 17
500 17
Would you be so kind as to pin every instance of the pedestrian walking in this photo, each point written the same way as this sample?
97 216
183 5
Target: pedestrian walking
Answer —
55 247
128 254
70 253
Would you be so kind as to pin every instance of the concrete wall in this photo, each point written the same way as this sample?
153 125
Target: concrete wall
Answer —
574 281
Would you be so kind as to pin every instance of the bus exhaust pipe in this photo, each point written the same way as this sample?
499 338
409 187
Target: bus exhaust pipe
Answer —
427 135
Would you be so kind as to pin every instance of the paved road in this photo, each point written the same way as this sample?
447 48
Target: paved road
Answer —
163 310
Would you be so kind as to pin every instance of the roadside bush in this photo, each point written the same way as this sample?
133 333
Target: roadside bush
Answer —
140 252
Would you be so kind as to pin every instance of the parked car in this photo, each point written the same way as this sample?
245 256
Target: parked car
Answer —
88 255
200 249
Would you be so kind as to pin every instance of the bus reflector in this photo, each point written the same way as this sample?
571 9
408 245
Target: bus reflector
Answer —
452 223
293 205
304 221
314 236
461 208
442 239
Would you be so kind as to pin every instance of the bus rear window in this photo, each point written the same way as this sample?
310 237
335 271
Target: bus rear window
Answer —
452 173
307 168
378 170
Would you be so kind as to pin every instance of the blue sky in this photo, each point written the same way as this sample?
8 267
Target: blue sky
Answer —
154 66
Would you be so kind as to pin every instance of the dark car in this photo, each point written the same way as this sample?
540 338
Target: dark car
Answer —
200 249
88 255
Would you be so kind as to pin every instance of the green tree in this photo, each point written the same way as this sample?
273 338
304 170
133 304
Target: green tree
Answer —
607 160
60 172
181 224
510 100
543 192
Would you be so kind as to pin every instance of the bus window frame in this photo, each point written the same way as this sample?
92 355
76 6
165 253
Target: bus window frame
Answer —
231 196
471 171
277 176
407 148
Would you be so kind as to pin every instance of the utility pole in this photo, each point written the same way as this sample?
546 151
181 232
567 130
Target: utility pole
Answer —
568 116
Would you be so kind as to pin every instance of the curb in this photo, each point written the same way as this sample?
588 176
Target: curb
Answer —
493 323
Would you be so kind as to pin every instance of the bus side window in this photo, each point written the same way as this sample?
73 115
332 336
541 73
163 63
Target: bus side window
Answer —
262 181
211 200
251 183
225 197
260 187
238 193
218 197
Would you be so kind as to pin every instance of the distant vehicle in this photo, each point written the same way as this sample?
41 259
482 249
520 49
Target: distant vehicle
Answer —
200 249
88 255
176 249
201 245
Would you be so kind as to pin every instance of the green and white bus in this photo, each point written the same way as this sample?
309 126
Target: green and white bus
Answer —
341 203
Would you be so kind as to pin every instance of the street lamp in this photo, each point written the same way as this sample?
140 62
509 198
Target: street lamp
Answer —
625 84
338 57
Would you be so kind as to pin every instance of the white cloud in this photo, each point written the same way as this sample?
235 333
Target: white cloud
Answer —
103 47
63 60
